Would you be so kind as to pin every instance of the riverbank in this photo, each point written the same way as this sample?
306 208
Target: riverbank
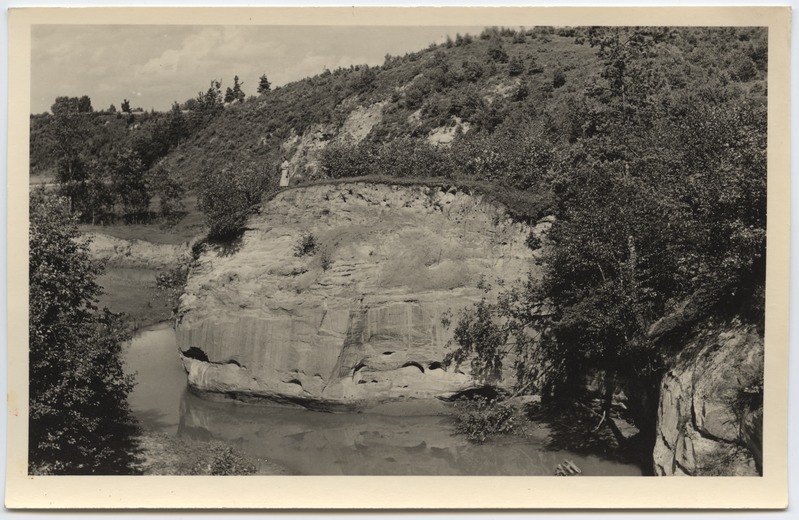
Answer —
130 279
164 454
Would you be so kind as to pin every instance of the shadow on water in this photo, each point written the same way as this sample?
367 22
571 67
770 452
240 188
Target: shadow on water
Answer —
574 429
317 443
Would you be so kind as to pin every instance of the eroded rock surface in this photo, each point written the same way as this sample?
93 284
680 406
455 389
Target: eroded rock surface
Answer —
135 253
359 320
709 417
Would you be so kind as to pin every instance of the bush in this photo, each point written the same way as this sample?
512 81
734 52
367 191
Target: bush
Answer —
79 421
558 79
480 418
223 460
228 197
306 246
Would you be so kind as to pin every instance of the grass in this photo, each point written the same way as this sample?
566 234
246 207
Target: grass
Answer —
191 226
163 454
134 292
521 205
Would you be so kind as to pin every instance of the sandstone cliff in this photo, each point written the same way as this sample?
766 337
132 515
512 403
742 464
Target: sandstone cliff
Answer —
710 411
359 320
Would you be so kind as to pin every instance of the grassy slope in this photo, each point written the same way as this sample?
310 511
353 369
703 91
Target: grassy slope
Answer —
256 129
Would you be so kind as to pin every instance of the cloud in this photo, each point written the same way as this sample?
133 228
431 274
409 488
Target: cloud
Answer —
162 64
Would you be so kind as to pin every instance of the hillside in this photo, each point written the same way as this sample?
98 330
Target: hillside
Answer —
644 148
503 80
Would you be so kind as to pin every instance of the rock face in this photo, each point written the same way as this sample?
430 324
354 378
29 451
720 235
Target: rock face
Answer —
710 413
358 320
135 253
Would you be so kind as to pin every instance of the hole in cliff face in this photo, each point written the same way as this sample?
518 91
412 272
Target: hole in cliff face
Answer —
388 352
358 367
436 365
232 361
195 353
295 382
414 364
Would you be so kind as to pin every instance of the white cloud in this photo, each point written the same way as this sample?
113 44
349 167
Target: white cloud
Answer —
161 64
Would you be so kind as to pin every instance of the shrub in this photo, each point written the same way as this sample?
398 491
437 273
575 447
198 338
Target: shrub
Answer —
480 418
558 79
229 196
222 460
306 246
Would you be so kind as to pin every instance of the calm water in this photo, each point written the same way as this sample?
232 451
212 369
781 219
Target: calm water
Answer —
316 443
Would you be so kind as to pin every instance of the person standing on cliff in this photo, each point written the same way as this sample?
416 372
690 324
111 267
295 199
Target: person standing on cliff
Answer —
284 172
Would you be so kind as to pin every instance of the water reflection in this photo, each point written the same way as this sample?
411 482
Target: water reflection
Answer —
317 443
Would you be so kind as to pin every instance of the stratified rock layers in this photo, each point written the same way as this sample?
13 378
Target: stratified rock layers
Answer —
361 319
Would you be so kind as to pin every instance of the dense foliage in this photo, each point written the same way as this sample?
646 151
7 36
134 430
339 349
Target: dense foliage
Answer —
661 211
229 196
646 144
80 421
479 418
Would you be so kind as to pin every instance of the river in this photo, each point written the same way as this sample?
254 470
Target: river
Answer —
317 443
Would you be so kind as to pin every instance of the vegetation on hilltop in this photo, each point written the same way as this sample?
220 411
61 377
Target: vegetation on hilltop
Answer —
646 144
660 198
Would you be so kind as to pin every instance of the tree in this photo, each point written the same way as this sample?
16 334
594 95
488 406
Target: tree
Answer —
128 176
238 93
169 190
263 84
69 135
85 104
112 109
228 197
661 212
79 421
177 124
208 105
125 106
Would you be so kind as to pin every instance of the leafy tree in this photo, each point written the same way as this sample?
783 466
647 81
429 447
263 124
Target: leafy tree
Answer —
125 106
228 197
660 213
69 133
112 109
169 190
85 104
128 175
263 84
80 421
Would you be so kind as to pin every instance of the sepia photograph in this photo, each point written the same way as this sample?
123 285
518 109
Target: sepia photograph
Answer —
440 249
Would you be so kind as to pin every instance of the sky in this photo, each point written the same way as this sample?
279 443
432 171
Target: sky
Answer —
154 65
